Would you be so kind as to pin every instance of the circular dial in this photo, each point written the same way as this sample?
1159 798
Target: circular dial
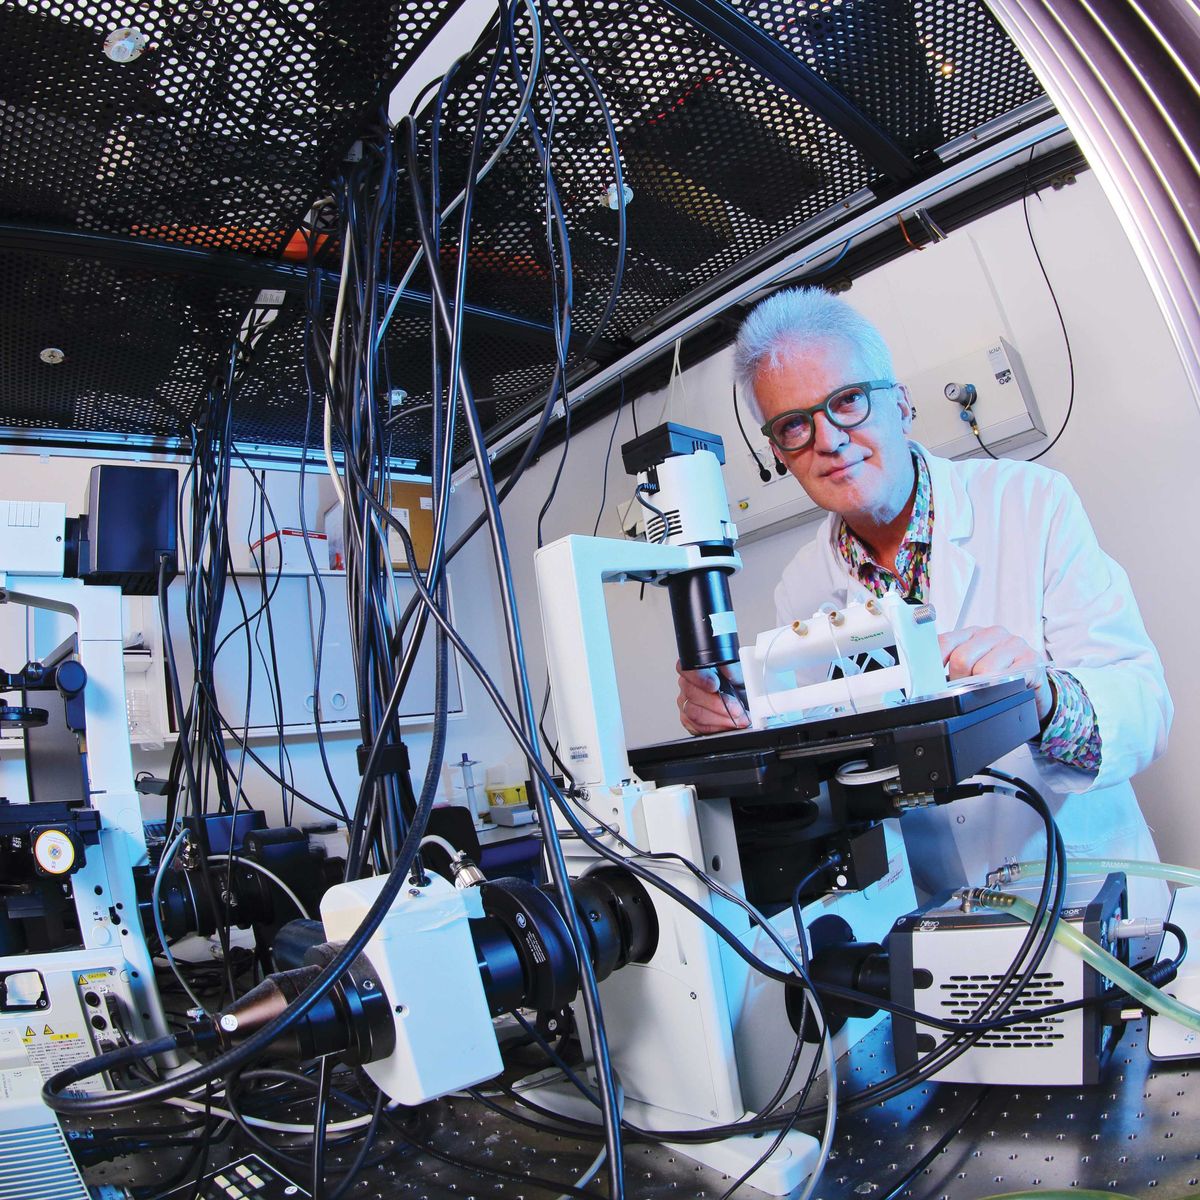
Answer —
54 851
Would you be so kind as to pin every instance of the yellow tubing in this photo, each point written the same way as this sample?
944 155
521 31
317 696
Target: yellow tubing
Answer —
1098 958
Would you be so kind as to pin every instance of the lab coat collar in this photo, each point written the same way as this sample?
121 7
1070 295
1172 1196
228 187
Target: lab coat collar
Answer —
952 567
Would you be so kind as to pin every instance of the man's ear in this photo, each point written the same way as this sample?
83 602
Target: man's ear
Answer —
908 410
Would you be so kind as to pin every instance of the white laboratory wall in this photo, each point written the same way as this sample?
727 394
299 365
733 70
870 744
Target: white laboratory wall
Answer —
1131 448
477 732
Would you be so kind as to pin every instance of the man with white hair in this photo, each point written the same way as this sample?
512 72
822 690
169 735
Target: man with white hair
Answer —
1005 554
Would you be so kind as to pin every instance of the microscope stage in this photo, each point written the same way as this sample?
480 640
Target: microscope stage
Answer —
934 742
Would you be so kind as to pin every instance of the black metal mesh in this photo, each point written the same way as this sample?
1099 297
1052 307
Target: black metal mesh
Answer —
138 349
236 114
218 134
272 400
926 71
690 119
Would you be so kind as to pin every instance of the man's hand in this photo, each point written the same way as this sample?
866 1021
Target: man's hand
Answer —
703 707
992 650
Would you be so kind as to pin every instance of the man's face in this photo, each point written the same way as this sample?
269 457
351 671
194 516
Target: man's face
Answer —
864 472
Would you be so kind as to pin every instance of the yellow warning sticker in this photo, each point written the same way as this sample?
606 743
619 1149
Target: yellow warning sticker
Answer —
29 1031
48 1031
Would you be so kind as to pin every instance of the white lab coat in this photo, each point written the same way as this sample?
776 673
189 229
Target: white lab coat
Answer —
1012 546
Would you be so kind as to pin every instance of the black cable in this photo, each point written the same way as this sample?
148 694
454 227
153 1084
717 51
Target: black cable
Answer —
528 723
828 861
320 1109
914 1173
982 445
557 1059
356 1166
618 176
763 473
1181 953
320 584
640 492
276 688
122 1056
1058 310
593 1132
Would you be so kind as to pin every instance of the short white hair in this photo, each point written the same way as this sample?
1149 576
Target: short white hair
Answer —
799 319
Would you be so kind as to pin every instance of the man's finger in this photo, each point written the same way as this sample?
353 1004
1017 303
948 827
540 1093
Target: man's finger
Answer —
961 661
949 642
997 661
733 672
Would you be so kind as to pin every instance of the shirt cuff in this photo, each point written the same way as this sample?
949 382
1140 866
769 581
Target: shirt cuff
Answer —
1071 735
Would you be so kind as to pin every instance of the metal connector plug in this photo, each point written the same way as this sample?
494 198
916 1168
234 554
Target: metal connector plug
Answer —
465 873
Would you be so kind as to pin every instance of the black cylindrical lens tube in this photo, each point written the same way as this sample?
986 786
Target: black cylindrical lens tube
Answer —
702 611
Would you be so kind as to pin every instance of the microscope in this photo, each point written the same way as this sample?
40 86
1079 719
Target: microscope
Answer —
76 974
697 1037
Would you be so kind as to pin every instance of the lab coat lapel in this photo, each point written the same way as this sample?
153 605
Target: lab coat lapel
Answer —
840 587
951 566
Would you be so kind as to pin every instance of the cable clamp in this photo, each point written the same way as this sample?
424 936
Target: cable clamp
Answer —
391 760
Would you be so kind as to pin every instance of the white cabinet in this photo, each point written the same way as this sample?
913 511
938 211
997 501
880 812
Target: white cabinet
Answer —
245 655
339 699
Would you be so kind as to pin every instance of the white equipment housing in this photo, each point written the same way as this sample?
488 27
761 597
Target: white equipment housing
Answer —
425 959
695 1037
945 960
773 665
690 493
32 537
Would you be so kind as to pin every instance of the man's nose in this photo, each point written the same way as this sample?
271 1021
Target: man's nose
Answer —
827 437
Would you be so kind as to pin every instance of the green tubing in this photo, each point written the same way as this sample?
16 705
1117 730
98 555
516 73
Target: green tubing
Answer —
1131 866
1064 1194
1098 958
1073 1194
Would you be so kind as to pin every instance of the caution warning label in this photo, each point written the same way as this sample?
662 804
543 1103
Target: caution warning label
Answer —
52 1052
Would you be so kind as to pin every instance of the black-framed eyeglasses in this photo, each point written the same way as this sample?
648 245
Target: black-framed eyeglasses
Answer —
846 407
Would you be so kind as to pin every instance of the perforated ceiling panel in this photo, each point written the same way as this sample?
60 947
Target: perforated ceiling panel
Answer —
216 124
88 346
720 162
927 71
205 122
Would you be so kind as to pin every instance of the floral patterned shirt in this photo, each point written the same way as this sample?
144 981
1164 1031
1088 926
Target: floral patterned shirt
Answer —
1070 734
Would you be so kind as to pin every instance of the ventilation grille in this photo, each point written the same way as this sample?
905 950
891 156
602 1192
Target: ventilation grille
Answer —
961 995
654 526
36 1165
